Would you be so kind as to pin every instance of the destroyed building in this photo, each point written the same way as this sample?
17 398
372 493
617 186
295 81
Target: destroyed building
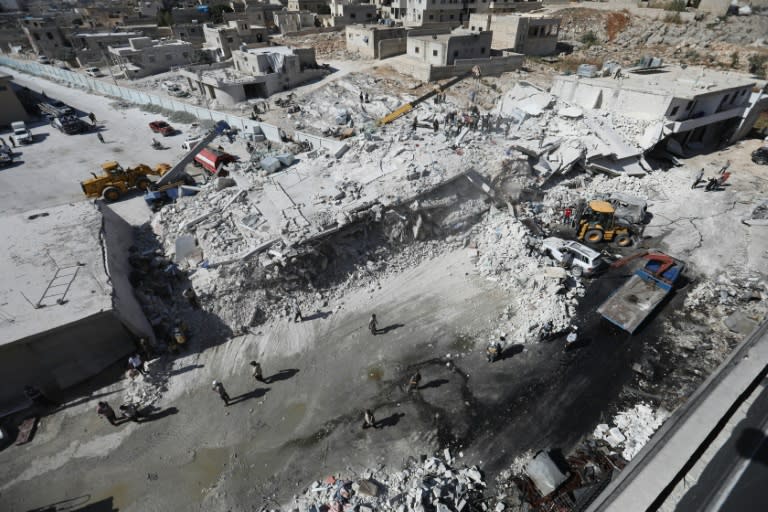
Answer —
47 38
257 73
144 56
692 108
69 311
529 35
91 47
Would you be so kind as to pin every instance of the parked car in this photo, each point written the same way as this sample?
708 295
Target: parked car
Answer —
578 257
191 142
162 127
177 91
93 72
20 133
214 160
42 59
63 107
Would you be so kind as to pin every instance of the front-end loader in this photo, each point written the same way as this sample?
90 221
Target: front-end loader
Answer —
116 181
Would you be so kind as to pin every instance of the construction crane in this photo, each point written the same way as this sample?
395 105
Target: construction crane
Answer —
403 110
665 262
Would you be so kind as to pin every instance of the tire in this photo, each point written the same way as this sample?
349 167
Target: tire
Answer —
593 236
577 270
143 184
623 240
111 194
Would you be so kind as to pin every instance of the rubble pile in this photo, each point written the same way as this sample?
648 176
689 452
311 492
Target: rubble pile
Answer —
632 429
434 484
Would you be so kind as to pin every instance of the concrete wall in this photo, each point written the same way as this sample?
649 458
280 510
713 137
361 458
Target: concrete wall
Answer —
365 39
118 238
10 107
60 358
428 73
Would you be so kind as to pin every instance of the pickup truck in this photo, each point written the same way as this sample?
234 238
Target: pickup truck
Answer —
162 127
20 133
631 304
69 124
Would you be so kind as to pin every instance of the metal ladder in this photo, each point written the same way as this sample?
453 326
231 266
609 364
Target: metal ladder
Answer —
59 285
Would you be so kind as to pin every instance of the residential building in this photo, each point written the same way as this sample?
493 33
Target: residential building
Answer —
223 39
315 6
529 35
92 47
289 22
696 108
256 73
11 108
391 9
256 13
344 13
189 32
374 41
427 12
47 38
437 56
144 56
508 6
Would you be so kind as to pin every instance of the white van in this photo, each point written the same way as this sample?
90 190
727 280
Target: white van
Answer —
93 72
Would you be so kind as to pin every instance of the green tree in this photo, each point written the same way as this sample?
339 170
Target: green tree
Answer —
757 63
217 12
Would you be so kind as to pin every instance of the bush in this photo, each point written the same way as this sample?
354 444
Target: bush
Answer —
735 59
589 38
676 6
757 64
673 17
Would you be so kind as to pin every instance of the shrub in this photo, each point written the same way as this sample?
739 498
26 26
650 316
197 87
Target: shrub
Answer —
757 63
735 59
673 17
589 38
676 6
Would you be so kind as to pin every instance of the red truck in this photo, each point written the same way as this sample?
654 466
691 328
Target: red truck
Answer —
162 127
213 161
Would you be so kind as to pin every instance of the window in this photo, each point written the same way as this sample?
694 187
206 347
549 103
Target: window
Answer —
431 16
352 15
482 50
168 56
451 16
688 106
455 54
674 111
368 15
416 49
37 36
185 54
151 58
229 39
434 53
726 98
49 35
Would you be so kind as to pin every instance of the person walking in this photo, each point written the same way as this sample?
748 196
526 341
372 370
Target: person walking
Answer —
13 141
256 372
368 419
367 98
493 352
373 325
435 125
101 138
105 410
130 412
361 97
92 117
219 388
413 382
297 317
137 364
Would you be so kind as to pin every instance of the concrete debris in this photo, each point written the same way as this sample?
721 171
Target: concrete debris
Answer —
432 484
632 429
544 473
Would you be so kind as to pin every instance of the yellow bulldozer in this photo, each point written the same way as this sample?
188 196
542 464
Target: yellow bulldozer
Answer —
116 181
598 223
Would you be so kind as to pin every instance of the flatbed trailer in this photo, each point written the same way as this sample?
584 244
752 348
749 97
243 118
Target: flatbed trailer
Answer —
631 304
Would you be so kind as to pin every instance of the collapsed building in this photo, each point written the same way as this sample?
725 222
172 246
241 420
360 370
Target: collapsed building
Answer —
529 35
144 56
68 310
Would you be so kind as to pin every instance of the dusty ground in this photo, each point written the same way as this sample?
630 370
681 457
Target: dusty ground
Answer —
304 424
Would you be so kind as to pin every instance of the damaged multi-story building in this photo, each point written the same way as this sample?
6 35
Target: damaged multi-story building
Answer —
144 56
694 109
529 34
221 40
48 38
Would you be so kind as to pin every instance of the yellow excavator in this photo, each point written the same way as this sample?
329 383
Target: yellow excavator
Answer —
598 223
116 181
400 112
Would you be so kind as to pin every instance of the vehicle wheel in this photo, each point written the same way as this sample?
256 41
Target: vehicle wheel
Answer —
623 240
577 270
593 236
143 184
111 194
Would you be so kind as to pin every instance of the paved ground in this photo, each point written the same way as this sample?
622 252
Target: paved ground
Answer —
48 172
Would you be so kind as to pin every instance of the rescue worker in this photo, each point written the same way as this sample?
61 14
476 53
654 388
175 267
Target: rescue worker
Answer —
256 371
105 410
218 387
130 411
368 419
493 351
413 382
570 340
373 325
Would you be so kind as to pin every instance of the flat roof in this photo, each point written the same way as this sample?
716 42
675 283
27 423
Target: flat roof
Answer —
109 34
34 249
285 50
444 38
673 80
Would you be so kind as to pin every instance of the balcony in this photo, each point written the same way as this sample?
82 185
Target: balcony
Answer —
693 123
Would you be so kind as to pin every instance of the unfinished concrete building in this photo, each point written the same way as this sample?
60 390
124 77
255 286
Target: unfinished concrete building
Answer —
46 37
391 9
529 35
696 108
221 40
258 73
256 13
347 13
375 42
11 108
427 12
91 48
144 56
315 6
291 22
70 315
438 56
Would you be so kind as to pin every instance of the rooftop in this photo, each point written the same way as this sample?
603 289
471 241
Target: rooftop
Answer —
108 34
284 50
64 238
671 80
444 38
